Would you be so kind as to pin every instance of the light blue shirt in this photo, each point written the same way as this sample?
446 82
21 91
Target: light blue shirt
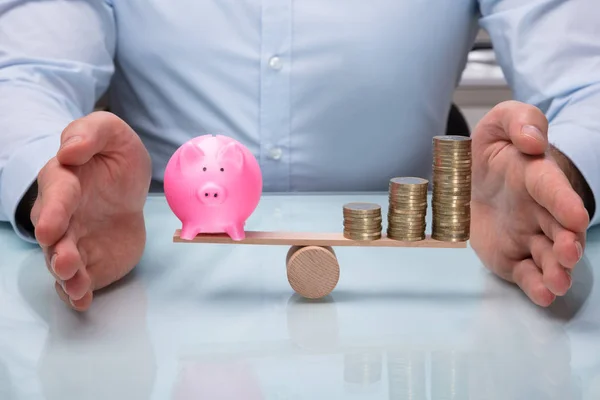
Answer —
329 95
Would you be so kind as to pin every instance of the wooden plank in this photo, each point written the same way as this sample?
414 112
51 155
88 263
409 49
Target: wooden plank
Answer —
313 239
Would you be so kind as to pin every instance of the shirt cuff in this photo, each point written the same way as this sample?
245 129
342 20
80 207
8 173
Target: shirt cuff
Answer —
20 172
582 147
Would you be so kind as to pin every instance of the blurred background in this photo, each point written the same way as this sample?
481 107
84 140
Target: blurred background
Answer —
483 84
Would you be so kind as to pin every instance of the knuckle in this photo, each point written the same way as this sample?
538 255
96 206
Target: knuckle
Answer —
74 127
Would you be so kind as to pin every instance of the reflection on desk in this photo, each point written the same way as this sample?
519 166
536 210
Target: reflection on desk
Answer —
220 322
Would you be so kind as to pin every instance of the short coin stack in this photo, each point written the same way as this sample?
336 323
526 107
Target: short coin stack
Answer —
362 221
451 204
407 208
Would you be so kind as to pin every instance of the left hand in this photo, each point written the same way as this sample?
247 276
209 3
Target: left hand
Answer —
528 223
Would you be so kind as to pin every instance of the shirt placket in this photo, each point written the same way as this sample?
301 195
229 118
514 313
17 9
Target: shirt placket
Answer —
276 40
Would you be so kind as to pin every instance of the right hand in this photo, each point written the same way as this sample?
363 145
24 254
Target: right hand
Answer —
88 215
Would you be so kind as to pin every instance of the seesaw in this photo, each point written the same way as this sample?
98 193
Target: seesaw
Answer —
313 270
214 183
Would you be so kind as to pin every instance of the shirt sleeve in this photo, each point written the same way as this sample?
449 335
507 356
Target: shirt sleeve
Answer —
549 52
56 61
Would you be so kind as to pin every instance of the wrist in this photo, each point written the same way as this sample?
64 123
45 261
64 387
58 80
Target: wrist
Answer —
578 182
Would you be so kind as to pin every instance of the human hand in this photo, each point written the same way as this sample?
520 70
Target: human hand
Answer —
88 215
528 222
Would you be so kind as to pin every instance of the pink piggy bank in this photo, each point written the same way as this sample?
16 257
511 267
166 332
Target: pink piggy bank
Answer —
213 184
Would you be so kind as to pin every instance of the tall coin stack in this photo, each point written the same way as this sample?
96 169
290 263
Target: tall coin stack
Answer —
362 221
407 208
451 203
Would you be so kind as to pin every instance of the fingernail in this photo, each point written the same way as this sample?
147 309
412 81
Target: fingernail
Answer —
579 250
533 132
53 262
70 141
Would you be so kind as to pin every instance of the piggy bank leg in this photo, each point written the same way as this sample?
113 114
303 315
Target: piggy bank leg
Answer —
236 231
188 232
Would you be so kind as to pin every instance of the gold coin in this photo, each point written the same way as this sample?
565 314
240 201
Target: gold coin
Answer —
451 169
441 212
362 236
453 190
409 181
406 231
401 238
452 151
461 157
408 195
458 239
405 234
449 204
362 208
444 231
396 232
450 200
437 233
405 202
454 140
452 222
359 220
392 234
443 196
407 225
416 220
396 212
450 155
406 217
363 228
451 180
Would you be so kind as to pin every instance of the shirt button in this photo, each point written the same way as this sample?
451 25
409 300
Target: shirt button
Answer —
275 153
275 63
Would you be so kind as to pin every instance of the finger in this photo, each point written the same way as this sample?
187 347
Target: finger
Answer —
84 303
554 276
61 293
568 246
34 214
529 278
98 132
77 286
65 258
80 305
549 187
60 195
522 124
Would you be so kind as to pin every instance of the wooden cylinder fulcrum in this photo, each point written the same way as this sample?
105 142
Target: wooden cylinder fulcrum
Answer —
313 271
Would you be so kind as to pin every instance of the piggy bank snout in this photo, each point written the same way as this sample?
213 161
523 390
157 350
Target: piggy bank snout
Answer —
212 193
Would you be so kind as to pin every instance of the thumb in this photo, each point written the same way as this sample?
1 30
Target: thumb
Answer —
523 125
98 132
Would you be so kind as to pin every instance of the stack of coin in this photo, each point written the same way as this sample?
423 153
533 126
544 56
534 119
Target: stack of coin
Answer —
407 374
407 208
450 375
451 204
363 368
362 221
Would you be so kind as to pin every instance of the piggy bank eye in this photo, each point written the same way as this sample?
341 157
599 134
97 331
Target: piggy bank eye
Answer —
222 169
204 169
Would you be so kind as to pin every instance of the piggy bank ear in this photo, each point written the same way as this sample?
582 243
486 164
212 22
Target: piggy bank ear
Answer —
190 156
231 155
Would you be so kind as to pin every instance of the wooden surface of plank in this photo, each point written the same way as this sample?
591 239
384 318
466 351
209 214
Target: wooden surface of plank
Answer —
313 239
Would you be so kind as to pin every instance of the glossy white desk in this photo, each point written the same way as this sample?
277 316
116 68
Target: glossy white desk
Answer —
199 321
